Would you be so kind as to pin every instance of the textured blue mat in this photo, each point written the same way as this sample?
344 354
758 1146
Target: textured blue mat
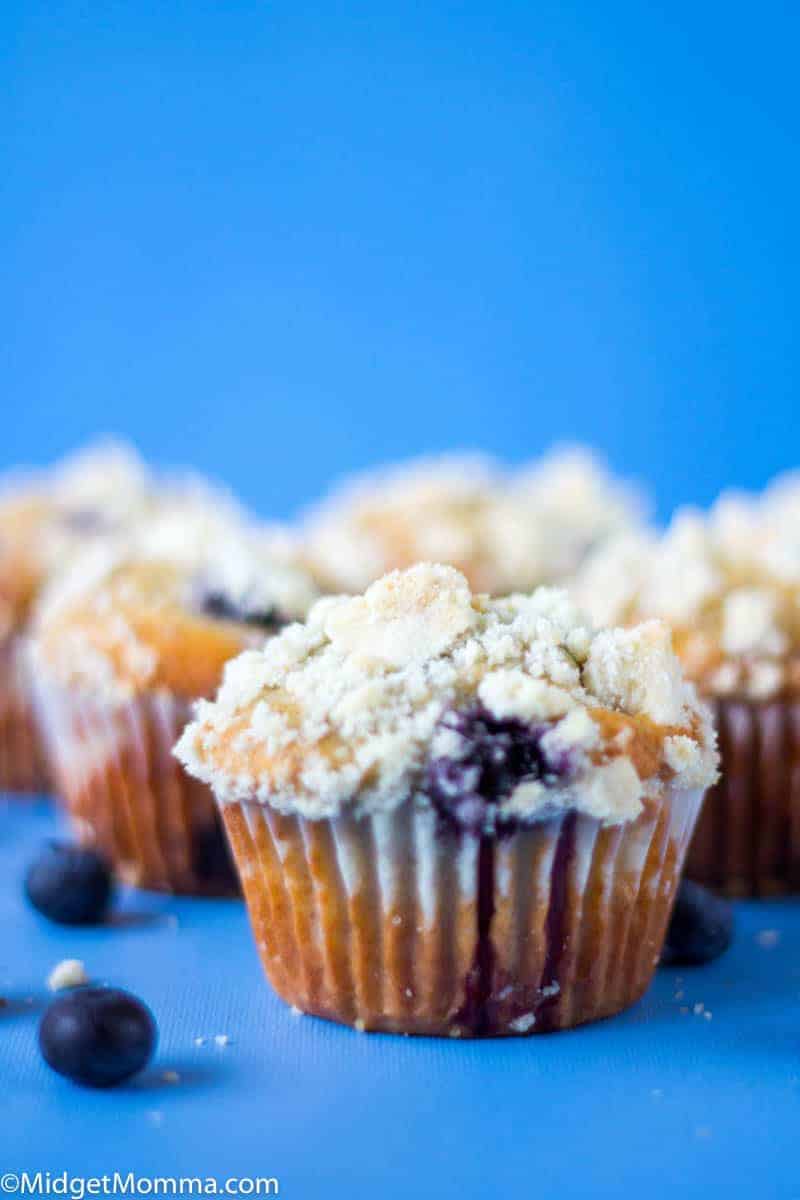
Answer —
676 1101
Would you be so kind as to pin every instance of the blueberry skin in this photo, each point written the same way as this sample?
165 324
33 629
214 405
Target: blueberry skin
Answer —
69 885
495 755
97 1036
701 928
214 603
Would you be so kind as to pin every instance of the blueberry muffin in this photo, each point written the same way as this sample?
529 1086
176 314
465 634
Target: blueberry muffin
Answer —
121 647
456 815
45 518
505 531
728 583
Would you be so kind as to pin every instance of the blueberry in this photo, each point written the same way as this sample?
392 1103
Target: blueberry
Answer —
216 604
69 884
701 927
97 1036
85 520
493 756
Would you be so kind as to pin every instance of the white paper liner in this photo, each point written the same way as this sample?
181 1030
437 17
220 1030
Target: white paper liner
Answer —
22 758
128 794
375 921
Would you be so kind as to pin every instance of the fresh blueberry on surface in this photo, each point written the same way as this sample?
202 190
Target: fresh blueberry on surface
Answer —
701 927
70 884
97 1036
492 756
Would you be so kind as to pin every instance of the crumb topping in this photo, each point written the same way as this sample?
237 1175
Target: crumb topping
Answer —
169 604
579 502
256 567
506 531
107 479
45 516
69 973
105 498
354 707
727 582
100 494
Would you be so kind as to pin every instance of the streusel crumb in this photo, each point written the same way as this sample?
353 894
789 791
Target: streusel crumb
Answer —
504 530
727 582
395 693
169 604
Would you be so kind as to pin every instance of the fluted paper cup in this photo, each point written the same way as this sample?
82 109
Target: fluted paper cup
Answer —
748 837
22 759
392 922
126 793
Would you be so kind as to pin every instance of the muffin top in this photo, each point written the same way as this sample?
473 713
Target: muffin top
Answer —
45 516
167 605
576 499
505 531
728 582
101 494
491 711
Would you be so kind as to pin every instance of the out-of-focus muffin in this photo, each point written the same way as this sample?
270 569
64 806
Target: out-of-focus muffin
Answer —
456 815
728 583
121 646
505 530
45 518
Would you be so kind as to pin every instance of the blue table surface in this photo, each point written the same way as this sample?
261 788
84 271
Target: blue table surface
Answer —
682 1101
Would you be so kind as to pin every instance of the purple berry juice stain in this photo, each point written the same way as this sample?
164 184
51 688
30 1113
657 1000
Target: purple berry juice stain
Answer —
494 756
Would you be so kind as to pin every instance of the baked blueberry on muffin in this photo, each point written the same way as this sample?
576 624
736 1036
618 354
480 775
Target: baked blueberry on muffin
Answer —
506 531
728 583
45 518
456 815
121 647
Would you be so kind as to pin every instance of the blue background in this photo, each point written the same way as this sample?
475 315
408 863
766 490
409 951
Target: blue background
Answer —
281 241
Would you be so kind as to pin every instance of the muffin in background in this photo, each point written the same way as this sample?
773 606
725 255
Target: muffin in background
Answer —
728 584
122 644
454 815
45 518
506 531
